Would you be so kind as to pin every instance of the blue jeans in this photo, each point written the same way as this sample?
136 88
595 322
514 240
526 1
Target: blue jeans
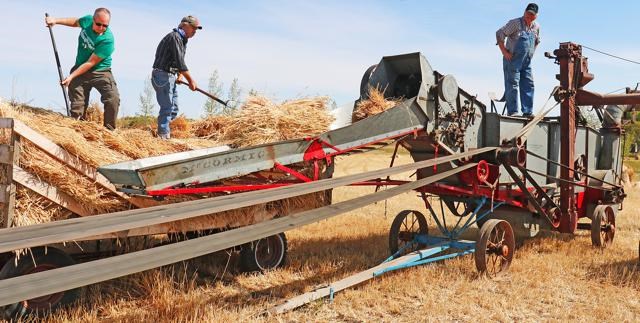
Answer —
518 78
167 96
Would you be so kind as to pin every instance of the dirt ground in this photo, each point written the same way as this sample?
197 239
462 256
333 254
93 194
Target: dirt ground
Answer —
557 278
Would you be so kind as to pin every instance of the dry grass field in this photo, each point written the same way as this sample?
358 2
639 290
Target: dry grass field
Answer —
557 278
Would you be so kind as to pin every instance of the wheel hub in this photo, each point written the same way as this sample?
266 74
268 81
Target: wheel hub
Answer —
609 228
406 235
504 250
499 249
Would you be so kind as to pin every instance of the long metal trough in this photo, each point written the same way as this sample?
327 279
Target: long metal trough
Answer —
211 164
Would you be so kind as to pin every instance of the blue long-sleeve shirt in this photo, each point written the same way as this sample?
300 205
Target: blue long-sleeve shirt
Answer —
170 52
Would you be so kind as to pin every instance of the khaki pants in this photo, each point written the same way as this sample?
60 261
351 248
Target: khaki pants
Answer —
103 81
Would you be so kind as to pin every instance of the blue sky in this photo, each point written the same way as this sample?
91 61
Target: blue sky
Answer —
288 49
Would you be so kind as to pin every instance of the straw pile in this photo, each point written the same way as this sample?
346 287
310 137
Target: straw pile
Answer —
95 145
261 120
89 142
94 113
210 127
180 127
30 209
374 105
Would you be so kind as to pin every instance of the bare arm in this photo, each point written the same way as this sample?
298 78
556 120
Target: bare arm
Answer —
70 22
187 75
83 68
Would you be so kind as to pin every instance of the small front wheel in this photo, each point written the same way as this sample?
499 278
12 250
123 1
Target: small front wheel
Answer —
264 254
495 247
603 226
407 225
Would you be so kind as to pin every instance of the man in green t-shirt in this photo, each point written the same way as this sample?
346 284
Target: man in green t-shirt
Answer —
93 65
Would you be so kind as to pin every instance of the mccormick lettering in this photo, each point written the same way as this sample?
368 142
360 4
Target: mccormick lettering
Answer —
190 169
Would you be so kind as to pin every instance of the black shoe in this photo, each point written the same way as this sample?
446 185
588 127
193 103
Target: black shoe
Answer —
527 115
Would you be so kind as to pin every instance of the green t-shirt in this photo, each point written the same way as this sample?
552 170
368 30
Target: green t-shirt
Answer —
91 43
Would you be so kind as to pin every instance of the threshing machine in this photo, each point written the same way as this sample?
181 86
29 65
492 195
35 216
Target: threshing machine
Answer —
510 175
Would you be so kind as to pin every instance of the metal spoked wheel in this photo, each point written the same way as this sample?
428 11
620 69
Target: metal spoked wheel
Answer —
264 254
43 259
458 208
495 247
603 226
407 225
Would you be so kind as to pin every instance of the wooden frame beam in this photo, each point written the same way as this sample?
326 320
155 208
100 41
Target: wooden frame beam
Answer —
48 191
60 154
10 155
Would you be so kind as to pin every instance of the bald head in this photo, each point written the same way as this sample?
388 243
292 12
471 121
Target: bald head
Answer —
102 12
101 20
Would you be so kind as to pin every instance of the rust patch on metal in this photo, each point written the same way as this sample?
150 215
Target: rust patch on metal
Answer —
271 153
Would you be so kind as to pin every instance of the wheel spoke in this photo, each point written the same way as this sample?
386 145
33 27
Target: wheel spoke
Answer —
405 228
493 264
496 237
502 237
413 222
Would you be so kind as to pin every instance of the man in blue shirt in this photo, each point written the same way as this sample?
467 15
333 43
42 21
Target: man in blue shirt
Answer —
169 67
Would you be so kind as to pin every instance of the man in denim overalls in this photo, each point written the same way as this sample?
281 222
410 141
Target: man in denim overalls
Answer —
523 36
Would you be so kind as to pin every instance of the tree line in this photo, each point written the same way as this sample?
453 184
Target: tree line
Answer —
215 86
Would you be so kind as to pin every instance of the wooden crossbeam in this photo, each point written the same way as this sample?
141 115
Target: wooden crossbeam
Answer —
47 282
48 191
9 155
75 163
78 228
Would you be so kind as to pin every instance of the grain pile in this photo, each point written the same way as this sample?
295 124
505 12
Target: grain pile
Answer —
90 142
180 127
376 103
210 127
260 120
